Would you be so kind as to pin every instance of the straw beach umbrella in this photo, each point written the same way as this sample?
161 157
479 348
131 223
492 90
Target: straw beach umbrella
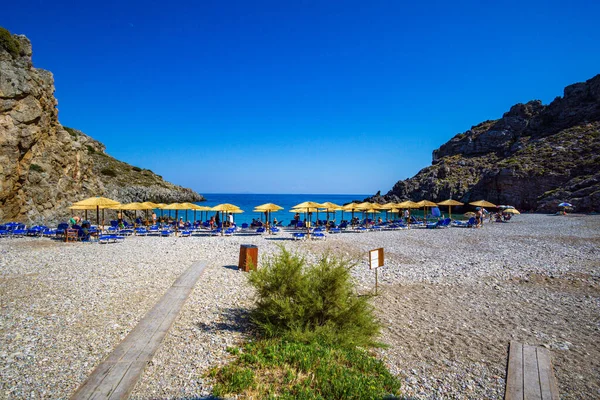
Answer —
268 208
483 203
330 208
223 208
350 207
425 204
134 207
450 203
407 205
97 202
176 207
307 206
511 211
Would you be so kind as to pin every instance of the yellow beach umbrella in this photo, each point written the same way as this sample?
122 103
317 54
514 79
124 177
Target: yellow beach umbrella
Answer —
134 207
307 206
97 202
511 211
351 207
223 208
425 204
268 208
176 207
408 205
330 207
483 203
450 203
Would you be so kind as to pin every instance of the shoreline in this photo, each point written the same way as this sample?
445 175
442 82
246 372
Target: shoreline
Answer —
66 306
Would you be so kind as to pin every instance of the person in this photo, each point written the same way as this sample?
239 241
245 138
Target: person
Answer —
406 214
379 221
478 218
181 224
296 219
217 219
230 219
153 218
274 221
212 222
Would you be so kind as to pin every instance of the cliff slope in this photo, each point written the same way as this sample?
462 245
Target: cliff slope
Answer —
534 157
44 167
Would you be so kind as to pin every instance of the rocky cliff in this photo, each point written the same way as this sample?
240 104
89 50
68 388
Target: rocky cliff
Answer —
45 167
534 157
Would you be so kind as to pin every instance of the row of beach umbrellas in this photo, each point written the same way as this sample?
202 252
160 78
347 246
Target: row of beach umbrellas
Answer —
308 207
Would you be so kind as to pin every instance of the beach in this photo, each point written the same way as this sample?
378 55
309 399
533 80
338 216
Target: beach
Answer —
450 301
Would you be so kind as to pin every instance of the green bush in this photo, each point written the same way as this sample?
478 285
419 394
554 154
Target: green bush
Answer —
8 43
71 131
90 149
108 172
311 304
136 169
278 368
35 167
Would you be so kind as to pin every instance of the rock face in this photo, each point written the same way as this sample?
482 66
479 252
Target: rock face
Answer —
534 157
45 167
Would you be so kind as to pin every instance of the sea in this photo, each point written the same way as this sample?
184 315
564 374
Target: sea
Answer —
247 202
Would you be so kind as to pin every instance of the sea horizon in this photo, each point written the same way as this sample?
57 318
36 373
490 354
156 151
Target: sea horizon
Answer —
248 201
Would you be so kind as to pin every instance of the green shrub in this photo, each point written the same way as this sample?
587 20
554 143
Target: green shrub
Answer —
136 169
289 370
311 304
35 167
90 149
108 172
8 43
71 131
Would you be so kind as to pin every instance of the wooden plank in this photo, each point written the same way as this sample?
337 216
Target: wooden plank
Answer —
531 376
514 378
548 385
117 375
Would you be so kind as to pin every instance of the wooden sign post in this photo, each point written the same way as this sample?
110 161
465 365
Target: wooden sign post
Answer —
376 261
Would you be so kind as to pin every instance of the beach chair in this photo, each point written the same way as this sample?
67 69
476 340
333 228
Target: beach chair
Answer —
261 230
229 232
335 230
318 236
298 236
185 233
166 233
141 231
61 229
215 232
275 230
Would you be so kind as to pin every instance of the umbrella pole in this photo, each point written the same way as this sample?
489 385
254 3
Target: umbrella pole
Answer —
176 221
98 216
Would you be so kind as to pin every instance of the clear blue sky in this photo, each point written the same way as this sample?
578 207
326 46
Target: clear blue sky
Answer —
299 96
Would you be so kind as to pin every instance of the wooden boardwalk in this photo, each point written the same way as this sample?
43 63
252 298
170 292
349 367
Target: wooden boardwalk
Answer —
116 376
530 375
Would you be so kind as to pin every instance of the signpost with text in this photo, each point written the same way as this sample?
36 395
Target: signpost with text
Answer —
376 261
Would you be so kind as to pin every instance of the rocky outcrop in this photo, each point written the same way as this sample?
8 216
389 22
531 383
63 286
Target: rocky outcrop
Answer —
45 167
534 157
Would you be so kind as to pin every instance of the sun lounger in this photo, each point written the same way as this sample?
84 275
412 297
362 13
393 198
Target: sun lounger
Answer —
166 233
104 239
298 236
318 236
185 233
141 231
335 230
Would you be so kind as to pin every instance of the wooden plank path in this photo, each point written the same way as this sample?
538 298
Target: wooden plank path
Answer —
116 376
530 375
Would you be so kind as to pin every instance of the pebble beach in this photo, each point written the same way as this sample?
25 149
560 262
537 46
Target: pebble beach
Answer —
450 301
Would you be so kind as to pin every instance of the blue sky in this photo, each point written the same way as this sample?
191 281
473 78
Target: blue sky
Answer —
299 96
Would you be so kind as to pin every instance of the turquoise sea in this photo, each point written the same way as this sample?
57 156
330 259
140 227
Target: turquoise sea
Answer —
247 202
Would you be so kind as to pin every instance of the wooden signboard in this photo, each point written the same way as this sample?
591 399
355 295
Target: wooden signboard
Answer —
376 258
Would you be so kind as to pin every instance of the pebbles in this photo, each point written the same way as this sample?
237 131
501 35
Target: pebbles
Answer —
445 296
